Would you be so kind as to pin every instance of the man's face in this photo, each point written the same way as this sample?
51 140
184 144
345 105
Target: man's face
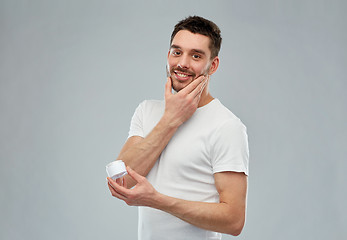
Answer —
189 57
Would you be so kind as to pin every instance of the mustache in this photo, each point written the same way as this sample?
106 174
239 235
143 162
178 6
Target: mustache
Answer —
182 70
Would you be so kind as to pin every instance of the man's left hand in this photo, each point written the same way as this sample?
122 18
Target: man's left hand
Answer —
142 194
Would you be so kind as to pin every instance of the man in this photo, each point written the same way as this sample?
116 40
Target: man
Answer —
187 156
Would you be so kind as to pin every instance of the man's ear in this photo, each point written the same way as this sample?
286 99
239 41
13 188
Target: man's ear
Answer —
214 65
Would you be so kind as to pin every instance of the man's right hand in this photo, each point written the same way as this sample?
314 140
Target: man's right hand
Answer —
181 106
141 153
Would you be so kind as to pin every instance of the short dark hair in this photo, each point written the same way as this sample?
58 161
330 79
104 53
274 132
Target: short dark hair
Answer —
196 24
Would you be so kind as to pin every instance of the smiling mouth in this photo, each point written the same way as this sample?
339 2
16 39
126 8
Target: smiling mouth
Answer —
182 75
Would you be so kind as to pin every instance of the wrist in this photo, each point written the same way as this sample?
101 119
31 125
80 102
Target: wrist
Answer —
158 201
170 122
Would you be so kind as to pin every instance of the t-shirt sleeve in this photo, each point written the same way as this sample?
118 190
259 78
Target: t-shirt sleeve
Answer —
136 125
230 148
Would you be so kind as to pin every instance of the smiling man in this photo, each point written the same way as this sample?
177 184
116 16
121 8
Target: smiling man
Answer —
187 155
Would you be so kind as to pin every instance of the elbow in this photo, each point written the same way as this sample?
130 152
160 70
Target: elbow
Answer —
235 228
236 232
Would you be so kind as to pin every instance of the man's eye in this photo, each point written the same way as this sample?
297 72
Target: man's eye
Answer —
176 53
195 56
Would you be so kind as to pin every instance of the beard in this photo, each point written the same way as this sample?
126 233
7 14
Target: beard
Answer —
193 75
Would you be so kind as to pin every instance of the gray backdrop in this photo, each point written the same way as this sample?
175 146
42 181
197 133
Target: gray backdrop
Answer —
72 73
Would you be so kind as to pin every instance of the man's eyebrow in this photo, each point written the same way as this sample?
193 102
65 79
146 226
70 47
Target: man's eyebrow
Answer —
199 51
173 46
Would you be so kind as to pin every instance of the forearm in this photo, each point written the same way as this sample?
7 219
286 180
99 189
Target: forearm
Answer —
219 217
227 216
142 155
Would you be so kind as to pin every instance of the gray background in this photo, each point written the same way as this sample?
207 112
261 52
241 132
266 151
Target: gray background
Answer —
72 73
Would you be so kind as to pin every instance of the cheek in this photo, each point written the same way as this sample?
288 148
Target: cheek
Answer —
171 62
169 66
201 69
206 68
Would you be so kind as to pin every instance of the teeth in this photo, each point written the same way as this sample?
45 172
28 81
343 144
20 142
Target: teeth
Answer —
182 75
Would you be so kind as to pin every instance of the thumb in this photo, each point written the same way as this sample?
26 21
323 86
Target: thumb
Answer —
168 87
134 175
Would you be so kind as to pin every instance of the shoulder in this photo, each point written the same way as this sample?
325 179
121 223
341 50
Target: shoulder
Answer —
223 117
152 104
149 109
147 106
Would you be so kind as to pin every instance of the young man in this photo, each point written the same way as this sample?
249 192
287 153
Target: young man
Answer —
187 156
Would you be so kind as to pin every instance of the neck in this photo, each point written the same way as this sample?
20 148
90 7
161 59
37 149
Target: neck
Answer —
205 97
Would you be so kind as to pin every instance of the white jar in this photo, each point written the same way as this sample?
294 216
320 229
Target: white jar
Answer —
116 169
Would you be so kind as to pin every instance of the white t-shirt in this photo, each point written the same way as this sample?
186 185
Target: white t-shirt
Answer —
212 140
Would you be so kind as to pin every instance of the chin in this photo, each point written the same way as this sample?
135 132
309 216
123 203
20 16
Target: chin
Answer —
176 89
178 86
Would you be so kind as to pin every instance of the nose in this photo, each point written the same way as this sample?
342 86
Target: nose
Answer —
183 62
